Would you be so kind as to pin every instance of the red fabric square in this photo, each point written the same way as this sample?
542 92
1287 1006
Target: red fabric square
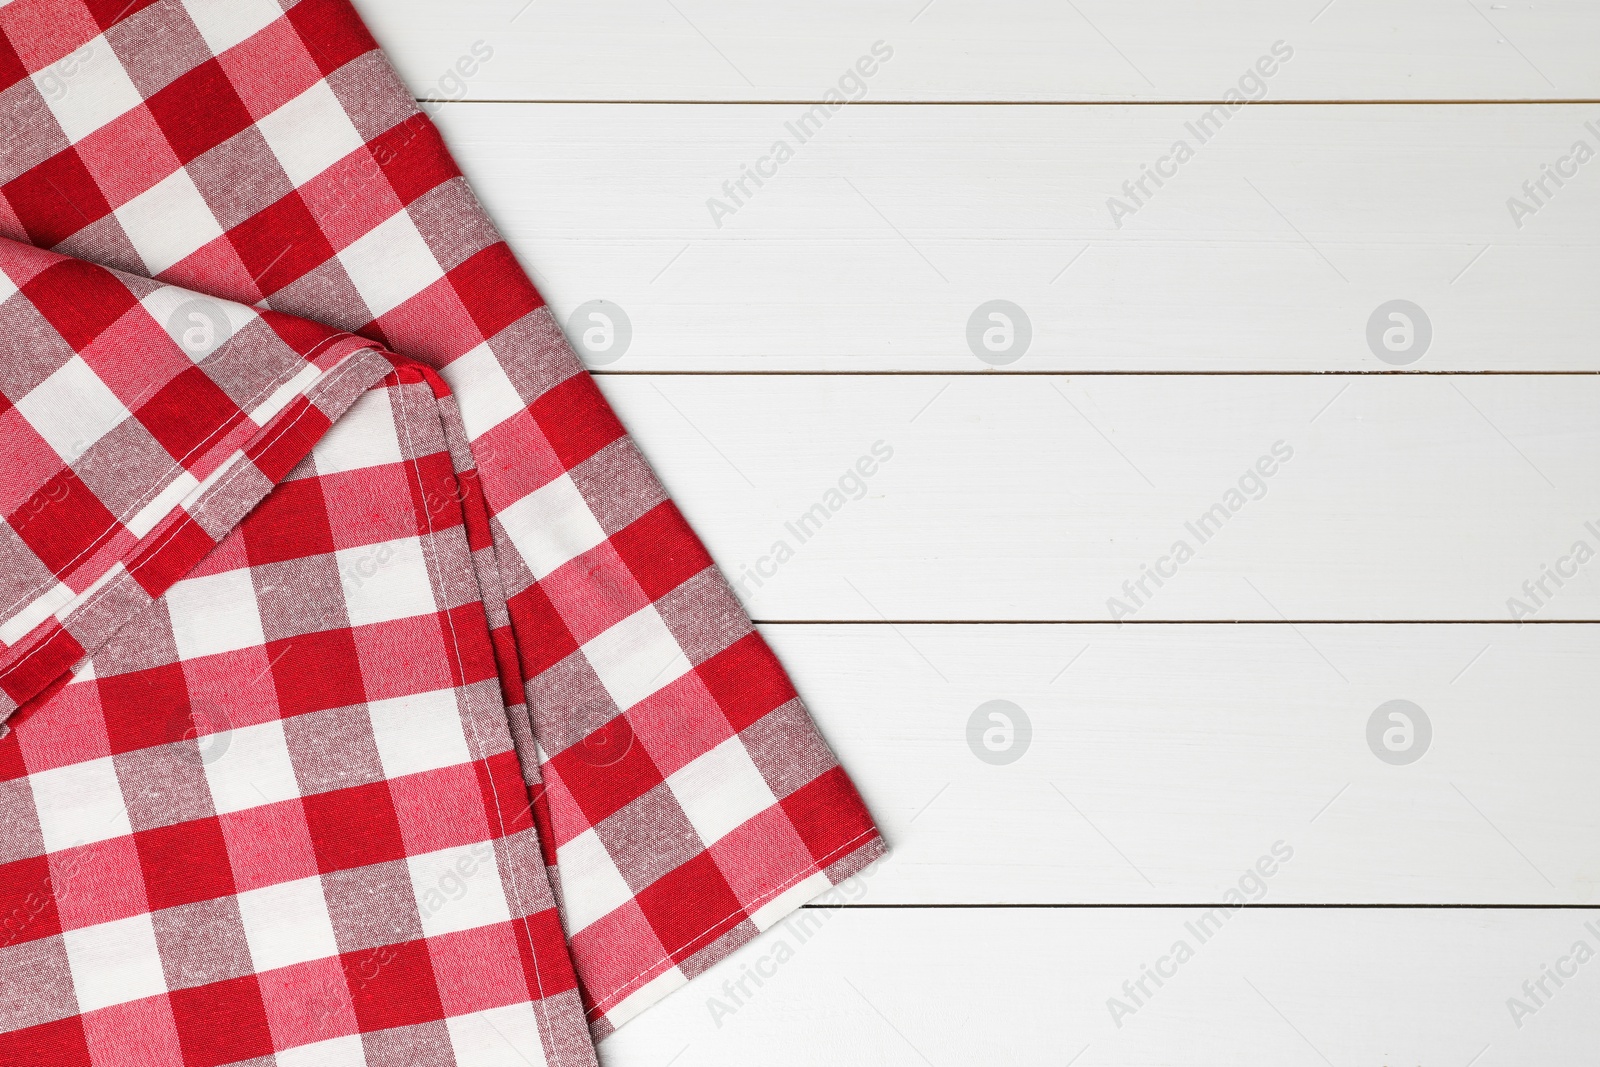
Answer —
58 1044
746 680
223 1022
690 906
79 299
27 902
576 419
139 1032
291 523
494 289
505 794
184 863
332 32
828 815
546 958
280 244
63 522
56 199
439 809
479 969
602 790
189 415
192 131
542 635
413 158
661 550
169 551
316 671
269 844
145 708
11 68
110 12
98 883
354 827
393 986
404 656
307 1002
297 428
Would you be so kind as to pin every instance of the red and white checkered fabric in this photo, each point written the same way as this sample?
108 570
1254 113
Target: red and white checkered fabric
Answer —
362 708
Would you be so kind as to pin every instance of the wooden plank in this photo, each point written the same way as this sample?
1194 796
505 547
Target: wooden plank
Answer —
1159 764
1405 497
1307 987
874 246
1095 50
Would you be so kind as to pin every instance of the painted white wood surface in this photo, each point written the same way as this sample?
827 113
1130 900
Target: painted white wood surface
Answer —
1302 988
1165 760
872 246
993 49
1406 497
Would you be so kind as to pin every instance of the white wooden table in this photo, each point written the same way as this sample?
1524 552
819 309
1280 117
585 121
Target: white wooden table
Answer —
1406 876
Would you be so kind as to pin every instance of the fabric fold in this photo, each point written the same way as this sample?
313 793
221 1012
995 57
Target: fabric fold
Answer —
407 719
141 423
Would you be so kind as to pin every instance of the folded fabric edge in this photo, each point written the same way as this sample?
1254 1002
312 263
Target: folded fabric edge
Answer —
38 663
845 862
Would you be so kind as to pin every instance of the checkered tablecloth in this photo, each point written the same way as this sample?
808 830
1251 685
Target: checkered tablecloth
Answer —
366 699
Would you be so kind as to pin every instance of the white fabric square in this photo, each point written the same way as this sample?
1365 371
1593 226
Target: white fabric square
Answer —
8 288
36 611
636 657
224 23
721 790
497 1037
591 885
631 1005
385 581
87 89
250 766
551 525
79 804
285 394
418 733
216 613
364 436
768 915
205 323
168 221
163 503
310 133
72 409
390 264
287 924
486 395
458 889
340 1052
115 962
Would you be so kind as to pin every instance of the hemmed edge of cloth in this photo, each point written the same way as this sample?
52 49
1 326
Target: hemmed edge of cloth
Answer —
39 662
665 976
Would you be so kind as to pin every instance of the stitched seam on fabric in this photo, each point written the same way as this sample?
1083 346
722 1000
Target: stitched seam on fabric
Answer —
795 880
324 383
455 647
160 486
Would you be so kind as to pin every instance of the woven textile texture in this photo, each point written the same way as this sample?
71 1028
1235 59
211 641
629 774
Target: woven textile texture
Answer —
365 699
